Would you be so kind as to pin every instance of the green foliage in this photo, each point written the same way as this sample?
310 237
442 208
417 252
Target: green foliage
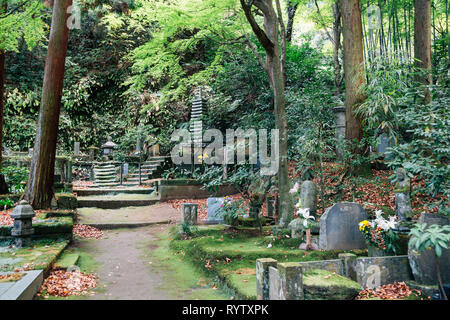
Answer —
16 178
433 237
22 20
6 203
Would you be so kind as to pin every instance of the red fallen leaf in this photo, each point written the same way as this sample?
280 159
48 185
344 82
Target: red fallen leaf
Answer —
396 290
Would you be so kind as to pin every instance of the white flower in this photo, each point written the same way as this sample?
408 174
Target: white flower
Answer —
299 203
295 188
305 214
305 223
269 245
392 223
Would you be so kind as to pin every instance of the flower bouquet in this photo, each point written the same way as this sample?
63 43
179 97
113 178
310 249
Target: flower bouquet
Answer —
379 234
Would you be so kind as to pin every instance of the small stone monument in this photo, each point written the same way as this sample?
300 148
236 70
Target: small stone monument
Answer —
402 190
189 213
92 151
22 228
30 152
339 112
76 148
339 227
296 227
214 212
270 206
308 196
125 169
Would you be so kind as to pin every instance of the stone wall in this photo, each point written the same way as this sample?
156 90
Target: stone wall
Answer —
189 189
283 281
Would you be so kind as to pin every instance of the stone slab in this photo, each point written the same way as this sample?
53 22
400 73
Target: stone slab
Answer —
24 289
339 227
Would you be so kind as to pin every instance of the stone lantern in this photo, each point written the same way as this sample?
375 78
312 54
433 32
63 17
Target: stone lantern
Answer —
22 229
108 148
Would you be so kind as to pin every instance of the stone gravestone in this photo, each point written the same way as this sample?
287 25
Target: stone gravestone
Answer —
402 190
30 152
423 264
339 227
76 148
214 212
308 196
189 213
274 284
125 169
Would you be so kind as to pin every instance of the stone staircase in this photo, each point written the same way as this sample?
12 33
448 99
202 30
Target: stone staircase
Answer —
147 169
106 174
196 114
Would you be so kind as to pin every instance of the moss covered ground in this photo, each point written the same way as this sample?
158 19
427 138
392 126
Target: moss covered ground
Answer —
230 255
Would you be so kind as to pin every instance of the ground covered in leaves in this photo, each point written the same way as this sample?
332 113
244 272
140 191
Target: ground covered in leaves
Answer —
85 231
394 291
62 283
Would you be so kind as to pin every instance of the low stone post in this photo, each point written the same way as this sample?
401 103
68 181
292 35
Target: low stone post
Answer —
262 277
339 112
189 213
349 265
270 206
291 281
22 228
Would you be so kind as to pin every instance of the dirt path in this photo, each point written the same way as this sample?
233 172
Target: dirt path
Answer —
124 271
134 264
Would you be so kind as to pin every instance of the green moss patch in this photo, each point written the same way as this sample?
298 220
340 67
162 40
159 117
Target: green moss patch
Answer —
40 256
324 285
229 255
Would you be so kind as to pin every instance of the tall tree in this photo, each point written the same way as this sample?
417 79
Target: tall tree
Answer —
422 43
270 37
3 185
292 6
353 66
40 190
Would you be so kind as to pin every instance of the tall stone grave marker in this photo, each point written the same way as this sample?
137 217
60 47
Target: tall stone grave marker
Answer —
339 227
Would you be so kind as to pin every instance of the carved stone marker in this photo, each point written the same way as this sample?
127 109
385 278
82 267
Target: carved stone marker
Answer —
214 214
339 227
402 190
189 213
76 148
308 196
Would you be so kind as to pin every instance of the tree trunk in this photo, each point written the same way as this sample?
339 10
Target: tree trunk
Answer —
39 192
353 67
274 67
422 43
3 185
336 45
292 9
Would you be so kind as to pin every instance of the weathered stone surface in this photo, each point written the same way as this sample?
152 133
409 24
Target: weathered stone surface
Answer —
334 265
274 284
372 272
214 209
423 264
189 213
66 201
291 281
308 196
325 285
339 228
402 190
262 277
296 228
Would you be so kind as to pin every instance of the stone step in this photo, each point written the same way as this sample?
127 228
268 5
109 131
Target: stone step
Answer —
67 261
104 173
103 178
104 169
114 204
